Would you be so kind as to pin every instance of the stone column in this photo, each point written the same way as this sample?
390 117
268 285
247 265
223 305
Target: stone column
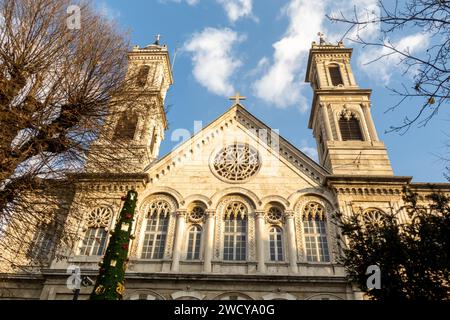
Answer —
209 240
179 238
260 241
336 124
369 121
364 126
327 122
292 247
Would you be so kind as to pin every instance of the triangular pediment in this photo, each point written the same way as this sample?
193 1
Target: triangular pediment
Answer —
237 125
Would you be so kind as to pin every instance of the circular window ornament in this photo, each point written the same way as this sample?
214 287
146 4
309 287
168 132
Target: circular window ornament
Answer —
99 218
274 215
236 163
196 214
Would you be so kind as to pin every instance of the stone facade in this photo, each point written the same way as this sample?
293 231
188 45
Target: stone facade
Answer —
236 211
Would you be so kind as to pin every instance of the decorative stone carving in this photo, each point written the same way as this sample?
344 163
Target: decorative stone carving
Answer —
313 210
235 209
196 215
347 114
99 217
236 163
274 215
373 216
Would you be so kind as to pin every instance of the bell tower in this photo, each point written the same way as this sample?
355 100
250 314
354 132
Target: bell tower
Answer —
341 118
135 127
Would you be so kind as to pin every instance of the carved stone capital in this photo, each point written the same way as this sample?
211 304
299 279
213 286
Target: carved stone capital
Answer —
181 213
289 214
210 213
260 214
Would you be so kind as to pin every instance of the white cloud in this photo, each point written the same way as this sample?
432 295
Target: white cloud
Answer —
213 60
366 10
282 82
383 69
309 151
237 9
107 11
189 2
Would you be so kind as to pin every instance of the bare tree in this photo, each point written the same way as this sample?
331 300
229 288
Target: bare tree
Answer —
56 87
429 88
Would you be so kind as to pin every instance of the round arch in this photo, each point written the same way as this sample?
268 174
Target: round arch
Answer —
279 296
233 296
324 194
143 295
275 199
168 191
324 296
218 196
187 295
197 198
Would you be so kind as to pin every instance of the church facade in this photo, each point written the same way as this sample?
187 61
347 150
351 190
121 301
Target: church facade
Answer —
236 211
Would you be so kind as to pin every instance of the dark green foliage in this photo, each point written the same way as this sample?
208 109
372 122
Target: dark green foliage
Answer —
110 281
413 254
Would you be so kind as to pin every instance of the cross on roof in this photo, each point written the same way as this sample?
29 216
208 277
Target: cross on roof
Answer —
237 98
321 37
157 39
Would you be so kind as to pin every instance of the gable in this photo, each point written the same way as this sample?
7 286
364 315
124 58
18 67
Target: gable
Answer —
281 164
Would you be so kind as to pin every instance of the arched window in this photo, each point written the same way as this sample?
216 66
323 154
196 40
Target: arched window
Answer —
42 244
235 233
194 243
126 127
142 76
314 227
276 244
157 221
373 217
153 141
349 127
335 75
96 236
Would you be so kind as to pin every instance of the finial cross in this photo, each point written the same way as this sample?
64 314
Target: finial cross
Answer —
157 39
237 98
321 37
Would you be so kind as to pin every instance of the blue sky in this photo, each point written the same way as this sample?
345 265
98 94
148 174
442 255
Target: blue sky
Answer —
243 45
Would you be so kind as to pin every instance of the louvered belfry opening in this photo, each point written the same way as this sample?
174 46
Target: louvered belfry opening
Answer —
126 127
335 74
141 79
350 128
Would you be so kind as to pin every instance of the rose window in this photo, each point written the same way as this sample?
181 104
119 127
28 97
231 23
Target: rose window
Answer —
196 214
274 215
237 162
373 217
99 218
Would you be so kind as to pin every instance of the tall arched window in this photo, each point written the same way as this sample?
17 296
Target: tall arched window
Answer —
153 141
142 76
335 75
156 224
194 243
315 231
276 244
235 232
126 127
96 235
349 127
42 243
